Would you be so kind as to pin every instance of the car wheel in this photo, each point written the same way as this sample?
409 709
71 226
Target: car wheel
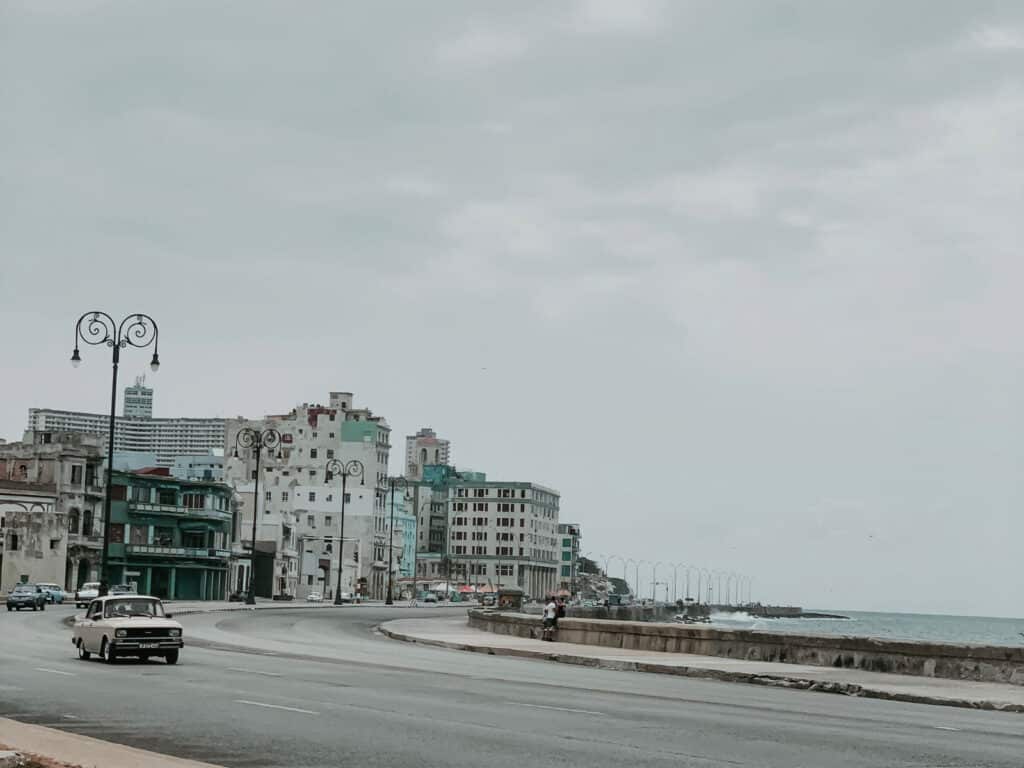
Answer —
82 653
42 606
172 657
10 607
107 653
35 607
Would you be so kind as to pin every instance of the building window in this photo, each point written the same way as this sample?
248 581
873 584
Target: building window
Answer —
284 495
312 495
163 536
313 452
327 520
309 581
312 473
87 521
13 543
118 492
268 496
76 474
73 516
117 533
311 521
330 451
566 571
194 500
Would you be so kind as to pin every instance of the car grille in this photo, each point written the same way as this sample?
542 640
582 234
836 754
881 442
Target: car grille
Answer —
138 632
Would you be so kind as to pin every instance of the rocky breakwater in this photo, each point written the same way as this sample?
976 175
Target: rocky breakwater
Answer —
953 661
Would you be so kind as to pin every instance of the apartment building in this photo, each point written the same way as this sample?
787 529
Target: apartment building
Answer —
295 483
424 449
51 509
137 430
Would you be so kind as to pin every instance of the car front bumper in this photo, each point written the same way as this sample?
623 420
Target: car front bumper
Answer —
126 644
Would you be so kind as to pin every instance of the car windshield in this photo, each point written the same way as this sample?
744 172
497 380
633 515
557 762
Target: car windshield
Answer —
24 588
136 607
90 585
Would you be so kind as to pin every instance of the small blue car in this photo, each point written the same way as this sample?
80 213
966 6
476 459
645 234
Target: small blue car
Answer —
54 594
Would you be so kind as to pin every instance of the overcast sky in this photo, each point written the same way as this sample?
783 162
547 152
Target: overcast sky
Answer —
741 279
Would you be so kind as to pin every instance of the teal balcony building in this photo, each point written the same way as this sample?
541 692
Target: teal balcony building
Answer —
169 537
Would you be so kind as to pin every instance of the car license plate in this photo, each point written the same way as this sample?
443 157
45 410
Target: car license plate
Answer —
149 645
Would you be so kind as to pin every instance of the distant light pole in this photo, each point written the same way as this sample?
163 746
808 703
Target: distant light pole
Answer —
706 575
136 330
353 468
257 440
654 581
395 481
675 580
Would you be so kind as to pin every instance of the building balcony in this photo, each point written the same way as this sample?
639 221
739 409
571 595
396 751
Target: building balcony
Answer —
146 550
80 540
171 510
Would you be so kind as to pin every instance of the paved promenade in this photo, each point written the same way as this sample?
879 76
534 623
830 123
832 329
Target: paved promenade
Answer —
454 633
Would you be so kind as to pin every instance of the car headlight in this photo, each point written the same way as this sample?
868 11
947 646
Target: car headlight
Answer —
175 633
121 633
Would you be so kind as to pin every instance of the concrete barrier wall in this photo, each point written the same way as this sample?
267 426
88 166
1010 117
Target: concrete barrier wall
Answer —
957 662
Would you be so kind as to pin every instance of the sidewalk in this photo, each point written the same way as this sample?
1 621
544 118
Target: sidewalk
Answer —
76 750
455 634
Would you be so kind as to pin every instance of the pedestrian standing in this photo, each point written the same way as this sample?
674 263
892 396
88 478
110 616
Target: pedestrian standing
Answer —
550 619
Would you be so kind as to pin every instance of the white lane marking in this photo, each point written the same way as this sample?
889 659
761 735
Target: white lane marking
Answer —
559 709
944 728
55 671
276 706
71 717
253 672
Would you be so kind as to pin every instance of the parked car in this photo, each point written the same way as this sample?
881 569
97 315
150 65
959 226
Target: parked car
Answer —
430 597
86 593
27 596
127 625
54 593
314 597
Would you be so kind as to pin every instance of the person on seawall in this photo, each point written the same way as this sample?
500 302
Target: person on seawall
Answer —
550 619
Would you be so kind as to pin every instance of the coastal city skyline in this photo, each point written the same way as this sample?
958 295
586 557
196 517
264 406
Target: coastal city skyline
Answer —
755 309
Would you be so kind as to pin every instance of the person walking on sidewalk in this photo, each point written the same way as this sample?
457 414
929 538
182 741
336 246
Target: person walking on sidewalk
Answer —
550 620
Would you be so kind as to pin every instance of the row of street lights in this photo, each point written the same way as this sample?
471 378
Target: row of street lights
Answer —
140 330
737 587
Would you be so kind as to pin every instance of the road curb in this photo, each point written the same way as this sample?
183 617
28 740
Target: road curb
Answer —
775 681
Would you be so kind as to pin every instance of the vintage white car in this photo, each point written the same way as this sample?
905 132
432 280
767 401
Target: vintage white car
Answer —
127 625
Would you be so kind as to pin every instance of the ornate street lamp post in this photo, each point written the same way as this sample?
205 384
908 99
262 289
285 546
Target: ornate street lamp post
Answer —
403 483
136 330
353 468
256 440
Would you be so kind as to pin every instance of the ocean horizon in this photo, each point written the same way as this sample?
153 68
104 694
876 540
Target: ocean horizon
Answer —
922 627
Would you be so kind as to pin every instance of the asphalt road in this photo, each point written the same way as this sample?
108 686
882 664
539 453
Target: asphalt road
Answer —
320 688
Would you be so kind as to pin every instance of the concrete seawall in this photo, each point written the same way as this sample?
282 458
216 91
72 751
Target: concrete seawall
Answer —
995 664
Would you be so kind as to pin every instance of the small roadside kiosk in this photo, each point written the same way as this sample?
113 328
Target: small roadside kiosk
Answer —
510 599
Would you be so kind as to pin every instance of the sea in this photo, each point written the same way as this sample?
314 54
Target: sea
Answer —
969 630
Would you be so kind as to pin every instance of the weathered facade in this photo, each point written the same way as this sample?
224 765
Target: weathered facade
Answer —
51 507
297 494
170 537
